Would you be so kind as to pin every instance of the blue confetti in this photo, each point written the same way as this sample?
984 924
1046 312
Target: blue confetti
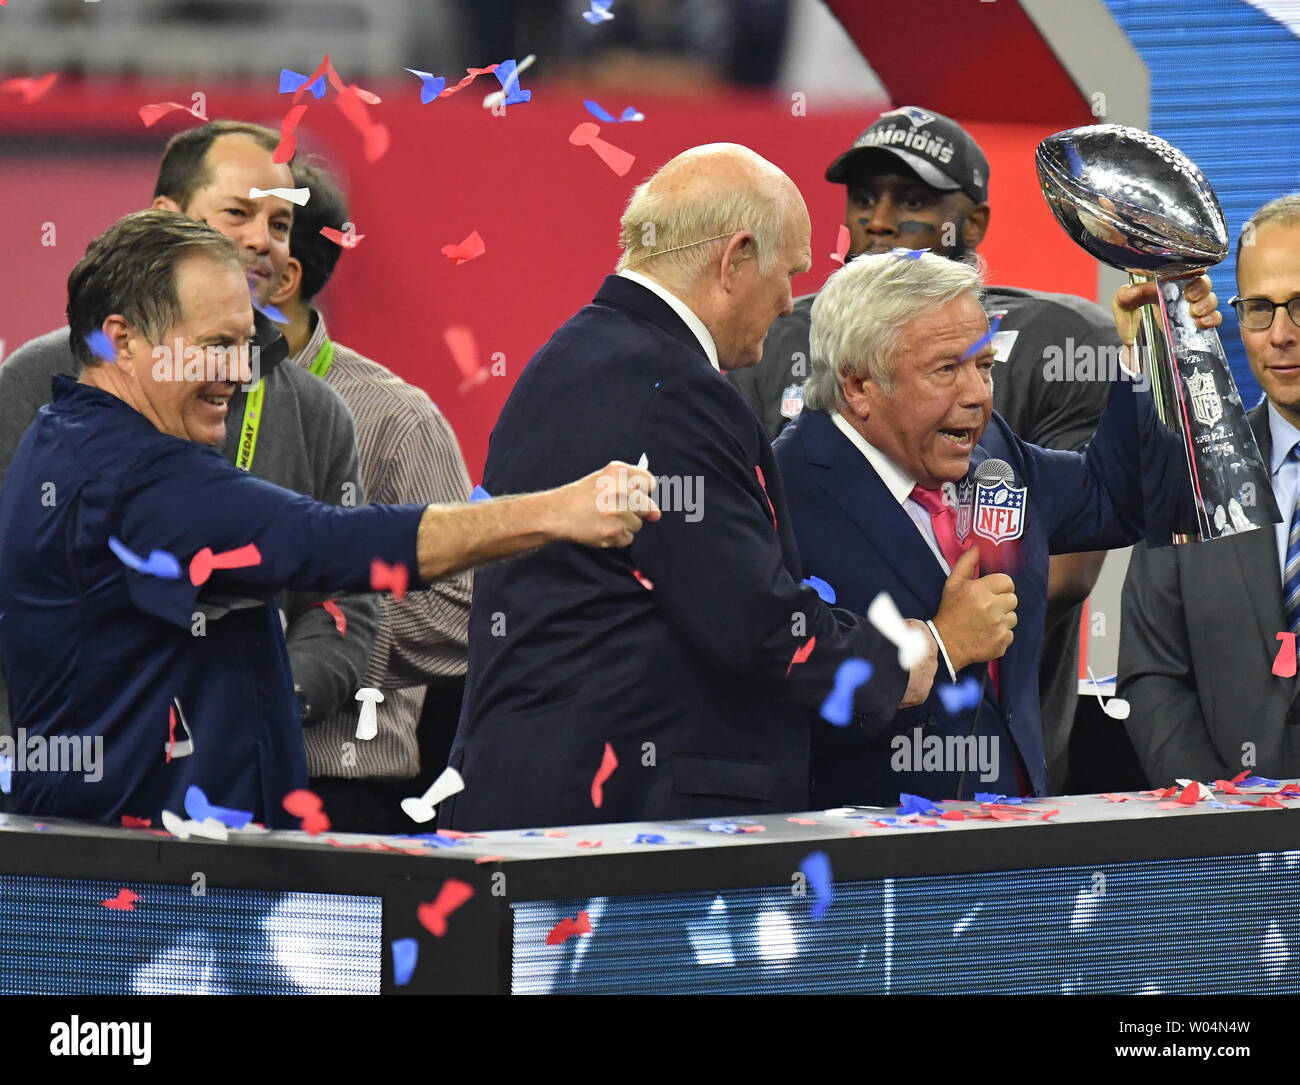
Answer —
599 12
479 494
1257 781
159 563
270 312
6 774
430 85
959 698
838 706
1002 800
916 804
198 807
983 341
908 254
509 80
816 868
99 345
649 838
820 587
602 114
723 827
291 81
406 951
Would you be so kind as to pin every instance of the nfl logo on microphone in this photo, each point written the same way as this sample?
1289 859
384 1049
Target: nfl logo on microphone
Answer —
999 511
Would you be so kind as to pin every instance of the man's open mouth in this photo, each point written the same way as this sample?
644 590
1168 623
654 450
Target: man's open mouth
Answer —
961 438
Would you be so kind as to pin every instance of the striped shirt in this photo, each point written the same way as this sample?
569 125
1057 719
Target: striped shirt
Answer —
409 454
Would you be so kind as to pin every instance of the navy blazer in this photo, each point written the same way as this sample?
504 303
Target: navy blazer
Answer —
685 680
854 535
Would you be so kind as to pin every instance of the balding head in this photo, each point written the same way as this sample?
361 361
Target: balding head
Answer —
724 230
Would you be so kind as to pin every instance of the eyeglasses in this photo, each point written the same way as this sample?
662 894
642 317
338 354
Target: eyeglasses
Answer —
1256 314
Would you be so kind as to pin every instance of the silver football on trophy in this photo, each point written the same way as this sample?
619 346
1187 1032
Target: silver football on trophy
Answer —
1131 199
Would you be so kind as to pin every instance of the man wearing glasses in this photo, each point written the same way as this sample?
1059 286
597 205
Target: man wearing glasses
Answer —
1201 660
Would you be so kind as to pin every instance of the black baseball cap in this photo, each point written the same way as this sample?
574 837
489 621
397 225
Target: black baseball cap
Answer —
934 147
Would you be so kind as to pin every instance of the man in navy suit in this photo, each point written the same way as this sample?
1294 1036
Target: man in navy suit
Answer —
697 657
898 411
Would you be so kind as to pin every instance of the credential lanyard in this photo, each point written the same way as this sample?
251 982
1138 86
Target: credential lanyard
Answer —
320 365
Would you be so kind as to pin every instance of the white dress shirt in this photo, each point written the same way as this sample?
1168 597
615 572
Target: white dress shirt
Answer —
1285 473
682 310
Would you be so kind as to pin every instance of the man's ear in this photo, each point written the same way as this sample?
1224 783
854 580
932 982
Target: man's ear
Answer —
166 203
975 226
740 247
858 396
290 281
118 331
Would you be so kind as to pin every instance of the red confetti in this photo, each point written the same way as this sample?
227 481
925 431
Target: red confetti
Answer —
352 104
1191 794
1266 800
128 822
473 74
205 562
308 806
555 833
171 732
643 580
1241 776
123 902
467 250
31 89
288 145
340 619
858 832
433 916
953 815
464 352
1114 798
589 843
566 928
763 482
841 245
152 114
801 654
588 135
1284 663
753 828
1049 814
348 240
1163 793
1226 786
608 763
801 821
393 577
488 859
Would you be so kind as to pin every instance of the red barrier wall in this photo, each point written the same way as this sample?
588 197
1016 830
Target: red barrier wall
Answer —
547 211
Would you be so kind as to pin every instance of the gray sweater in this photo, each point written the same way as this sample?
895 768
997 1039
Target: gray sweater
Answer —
305 443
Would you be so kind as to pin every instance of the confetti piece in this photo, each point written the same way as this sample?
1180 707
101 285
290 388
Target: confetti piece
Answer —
1241 776
349 240
128 822
1203 792
307 805
298 196
568 928
6 774
589 843
175 749
433 916
152 114
406 951
763 483
288 145
123 902
489 859
507 74
801 654
916 804
802 821
643 463
467 250
961 697
367 718
352 102
199 809
205 561
290 81
1284 664
599 12
1265 800
1116 707
100 347
159 563
908 254
421 808
393 577
649 838
602 114
587 134
1191 794
953 815
816 868
1226 786
1257 781
608 763
643 580
841 245
31 88
555 834
430 85
1049 814
340 619
479 494
268 310
1111 797
838 706
912 644
464 352
984 340
820 587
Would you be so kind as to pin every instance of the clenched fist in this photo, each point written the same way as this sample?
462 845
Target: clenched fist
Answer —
607 507
976 616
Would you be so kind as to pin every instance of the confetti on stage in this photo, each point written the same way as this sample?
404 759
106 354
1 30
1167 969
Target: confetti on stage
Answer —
308 806
421 808
199 809
433 916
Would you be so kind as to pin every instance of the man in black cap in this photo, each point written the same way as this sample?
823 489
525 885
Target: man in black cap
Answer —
916 180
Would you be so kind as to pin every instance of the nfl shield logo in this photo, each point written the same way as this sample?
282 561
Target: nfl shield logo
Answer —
965 500
1206 404
999 511
792 401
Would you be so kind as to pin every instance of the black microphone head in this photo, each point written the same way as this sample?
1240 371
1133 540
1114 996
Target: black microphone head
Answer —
993 471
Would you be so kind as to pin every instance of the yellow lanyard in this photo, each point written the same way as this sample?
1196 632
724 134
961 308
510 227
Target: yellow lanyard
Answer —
252 421
320 365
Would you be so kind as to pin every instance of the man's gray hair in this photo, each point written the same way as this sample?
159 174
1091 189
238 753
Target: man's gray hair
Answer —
1285 209
859 313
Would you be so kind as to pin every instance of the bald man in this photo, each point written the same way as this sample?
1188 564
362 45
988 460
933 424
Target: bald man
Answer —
696 659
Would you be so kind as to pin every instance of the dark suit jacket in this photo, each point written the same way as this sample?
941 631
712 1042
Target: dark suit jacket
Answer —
1197 641
686 682
854 535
